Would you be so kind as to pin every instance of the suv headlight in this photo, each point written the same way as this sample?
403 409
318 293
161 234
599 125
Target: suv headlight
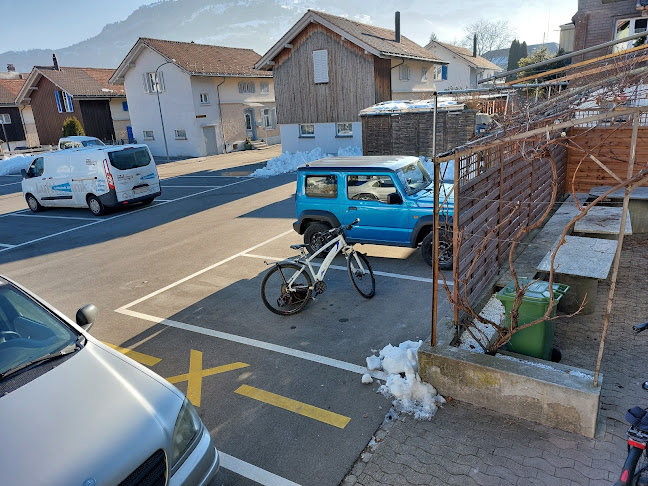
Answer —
187 427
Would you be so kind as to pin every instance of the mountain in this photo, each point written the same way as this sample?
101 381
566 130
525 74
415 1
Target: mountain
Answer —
255 24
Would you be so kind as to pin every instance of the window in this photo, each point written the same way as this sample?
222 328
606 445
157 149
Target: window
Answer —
306 130
246 87
36 168
180 134
321 186
364 187
63 102
125 159
204 98
265 87
5 119
424 72
320 66
148 135
440 73
269 117
344 129
628 27
125 105
404 72
150 84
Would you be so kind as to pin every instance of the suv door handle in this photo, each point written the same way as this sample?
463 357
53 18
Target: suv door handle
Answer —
352 208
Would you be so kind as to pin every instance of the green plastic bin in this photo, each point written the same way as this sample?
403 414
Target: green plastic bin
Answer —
537 340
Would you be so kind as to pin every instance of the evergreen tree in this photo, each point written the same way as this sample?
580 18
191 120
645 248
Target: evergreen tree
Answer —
513 57
72 126
524 51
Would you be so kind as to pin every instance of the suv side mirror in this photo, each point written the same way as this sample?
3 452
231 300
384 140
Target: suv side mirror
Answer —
394 198
23 173
86 316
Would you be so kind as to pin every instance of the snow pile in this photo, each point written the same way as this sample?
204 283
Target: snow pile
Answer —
411 395
288 162
14 164
493 311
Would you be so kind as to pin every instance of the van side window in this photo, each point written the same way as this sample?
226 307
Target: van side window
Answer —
321 186
39 166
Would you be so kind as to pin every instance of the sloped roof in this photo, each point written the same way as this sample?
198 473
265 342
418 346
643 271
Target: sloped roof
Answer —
9 89
465 54
81 82
379 41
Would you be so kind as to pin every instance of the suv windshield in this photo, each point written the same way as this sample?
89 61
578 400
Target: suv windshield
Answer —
129 158
413 177
28 331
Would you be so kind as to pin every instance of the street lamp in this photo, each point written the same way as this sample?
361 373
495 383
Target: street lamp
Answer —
157 92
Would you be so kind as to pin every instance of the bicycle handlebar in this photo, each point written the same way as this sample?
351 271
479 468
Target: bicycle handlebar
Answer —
336 231
640 327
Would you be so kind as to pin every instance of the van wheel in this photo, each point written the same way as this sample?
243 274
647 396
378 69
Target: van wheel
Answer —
445 250
95 205
314 239
33 203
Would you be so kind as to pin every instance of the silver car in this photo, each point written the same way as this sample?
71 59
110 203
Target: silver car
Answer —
75 412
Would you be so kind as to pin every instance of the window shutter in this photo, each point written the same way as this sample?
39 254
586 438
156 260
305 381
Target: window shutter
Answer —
320 66
145 82
58 101
444 72
160 82
70 107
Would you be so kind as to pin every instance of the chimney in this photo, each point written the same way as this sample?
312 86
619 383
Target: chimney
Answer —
55 61
397 27
11 68
475 45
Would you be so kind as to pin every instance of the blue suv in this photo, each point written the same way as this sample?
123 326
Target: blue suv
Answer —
391 195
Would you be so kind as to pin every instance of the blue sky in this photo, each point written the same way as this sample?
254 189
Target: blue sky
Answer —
53 24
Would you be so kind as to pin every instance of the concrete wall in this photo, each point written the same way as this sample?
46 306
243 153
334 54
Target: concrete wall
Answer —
325 138
415 87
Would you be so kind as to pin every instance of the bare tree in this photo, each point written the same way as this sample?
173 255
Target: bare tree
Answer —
433 37
491 35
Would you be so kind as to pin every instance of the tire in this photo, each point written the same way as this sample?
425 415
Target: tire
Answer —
445 250
276 296
314 242
362 278
95 205
640 477
33 203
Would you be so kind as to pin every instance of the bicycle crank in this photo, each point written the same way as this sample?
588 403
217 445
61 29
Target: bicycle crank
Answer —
319 287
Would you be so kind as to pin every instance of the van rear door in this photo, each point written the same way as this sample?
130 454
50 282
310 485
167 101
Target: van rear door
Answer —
133 172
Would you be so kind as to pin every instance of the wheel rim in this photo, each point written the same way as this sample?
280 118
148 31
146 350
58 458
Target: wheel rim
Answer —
445 253
32 203
94 205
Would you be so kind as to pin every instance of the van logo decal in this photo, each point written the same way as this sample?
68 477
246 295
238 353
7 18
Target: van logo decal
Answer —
63 187
148 176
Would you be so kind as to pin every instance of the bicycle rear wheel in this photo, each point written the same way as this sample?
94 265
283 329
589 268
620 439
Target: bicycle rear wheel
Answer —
361 274
281 298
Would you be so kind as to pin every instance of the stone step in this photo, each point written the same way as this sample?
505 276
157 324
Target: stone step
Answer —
259 144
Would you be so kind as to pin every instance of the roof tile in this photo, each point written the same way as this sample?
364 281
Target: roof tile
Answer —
83 82
466 54
9 89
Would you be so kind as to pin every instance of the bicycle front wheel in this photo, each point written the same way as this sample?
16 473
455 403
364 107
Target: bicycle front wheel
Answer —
282 297
361 274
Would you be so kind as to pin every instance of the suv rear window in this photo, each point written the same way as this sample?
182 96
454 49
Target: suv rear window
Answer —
321 186
129 158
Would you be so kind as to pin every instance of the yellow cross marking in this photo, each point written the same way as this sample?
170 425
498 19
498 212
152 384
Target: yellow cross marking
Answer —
197 373
304 409
145 359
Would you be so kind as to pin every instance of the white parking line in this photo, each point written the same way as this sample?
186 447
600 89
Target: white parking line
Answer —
121 215
53 217
252 472
6 246
10 184
338 267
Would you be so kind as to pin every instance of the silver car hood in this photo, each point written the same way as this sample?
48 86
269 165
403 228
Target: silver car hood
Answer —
103 415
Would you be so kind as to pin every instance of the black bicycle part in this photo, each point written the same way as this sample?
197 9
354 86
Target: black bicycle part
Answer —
276 294
363 280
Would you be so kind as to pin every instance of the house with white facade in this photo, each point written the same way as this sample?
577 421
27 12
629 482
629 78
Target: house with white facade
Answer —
17 125
329 68
464 67
195 99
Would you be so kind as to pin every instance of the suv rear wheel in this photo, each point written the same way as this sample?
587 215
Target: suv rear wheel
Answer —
445 250
313 239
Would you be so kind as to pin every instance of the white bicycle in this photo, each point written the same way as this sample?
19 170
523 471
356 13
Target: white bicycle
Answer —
288 287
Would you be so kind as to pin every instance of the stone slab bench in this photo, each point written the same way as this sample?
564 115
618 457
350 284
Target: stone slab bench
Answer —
602 222
637 205
580 263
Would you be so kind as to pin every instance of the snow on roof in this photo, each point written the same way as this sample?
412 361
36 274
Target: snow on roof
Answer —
391 107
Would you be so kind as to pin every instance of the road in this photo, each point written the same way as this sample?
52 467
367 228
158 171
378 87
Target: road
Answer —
178 288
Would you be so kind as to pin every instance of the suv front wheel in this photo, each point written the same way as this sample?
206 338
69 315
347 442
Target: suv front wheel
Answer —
445 250
314 239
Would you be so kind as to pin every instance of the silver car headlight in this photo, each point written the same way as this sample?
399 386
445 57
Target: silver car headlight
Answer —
187 427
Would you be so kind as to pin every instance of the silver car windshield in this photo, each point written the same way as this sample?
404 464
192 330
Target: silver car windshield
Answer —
413 177
28 331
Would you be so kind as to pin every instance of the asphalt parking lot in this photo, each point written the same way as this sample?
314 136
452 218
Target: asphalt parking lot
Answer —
178 285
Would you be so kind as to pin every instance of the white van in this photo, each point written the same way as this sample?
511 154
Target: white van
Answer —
98 178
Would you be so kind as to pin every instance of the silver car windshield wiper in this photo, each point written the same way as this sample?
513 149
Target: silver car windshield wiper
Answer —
48 357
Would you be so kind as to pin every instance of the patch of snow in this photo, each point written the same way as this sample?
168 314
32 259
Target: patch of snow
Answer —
367 379
493 311
411 395
373 363
288 162
546 366
106 90
14 164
